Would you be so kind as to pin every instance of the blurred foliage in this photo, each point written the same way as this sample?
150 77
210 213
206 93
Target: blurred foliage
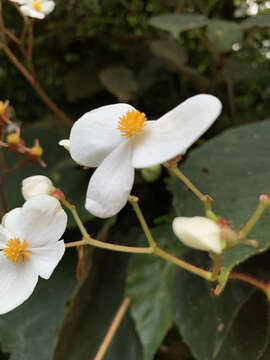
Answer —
153 54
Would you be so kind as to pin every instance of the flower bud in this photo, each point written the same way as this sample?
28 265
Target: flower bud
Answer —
199 233
36 185
152 173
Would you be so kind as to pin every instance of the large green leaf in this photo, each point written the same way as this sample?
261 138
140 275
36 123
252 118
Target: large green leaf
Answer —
176 23
29 331
223 34
149 282
203 319
248 337
234 169
62 170
95 302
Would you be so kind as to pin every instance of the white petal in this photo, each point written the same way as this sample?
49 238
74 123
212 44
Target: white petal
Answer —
111 183
47 7
28 11
17 283
46 258
4 236
12 221
95 134
198 232
65 143
43 220
174 132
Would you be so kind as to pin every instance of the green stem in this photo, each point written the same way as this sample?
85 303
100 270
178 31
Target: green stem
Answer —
262 206
87 239
183 264
217 265
188 183
134 202
108 246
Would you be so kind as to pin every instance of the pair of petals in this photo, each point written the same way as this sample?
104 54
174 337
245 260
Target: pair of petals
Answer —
41 222
95 141
46 7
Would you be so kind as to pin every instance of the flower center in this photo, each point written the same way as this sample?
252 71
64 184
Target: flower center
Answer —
16 249
37 5
132 122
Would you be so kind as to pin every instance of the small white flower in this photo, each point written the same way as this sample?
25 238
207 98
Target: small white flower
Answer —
36 185
198 232
30 248
117 139
37 8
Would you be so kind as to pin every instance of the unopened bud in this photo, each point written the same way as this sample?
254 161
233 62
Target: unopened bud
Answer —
36 151
2 107
36 185
152 173
199 233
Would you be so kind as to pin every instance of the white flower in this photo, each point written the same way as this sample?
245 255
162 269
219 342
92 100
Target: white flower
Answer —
36 185
37 8
198 233
117 138
21 2
30 248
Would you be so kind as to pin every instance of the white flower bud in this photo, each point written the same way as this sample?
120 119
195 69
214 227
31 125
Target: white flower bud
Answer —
36 185
198 233
65 143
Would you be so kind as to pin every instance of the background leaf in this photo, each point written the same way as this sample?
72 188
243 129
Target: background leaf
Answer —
149 282
223 34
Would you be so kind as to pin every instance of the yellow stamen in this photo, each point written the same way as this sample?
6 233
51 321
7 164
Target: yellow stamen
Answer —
2 107
13 139
16 250
36 150
132 122
37 5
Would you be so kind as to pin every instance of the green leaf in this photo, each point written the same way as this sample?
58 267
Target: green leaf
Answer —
223 34
95 302
29 331
171 52
120 81
203 319
61 169
248 337
232 168
176 23
260 21
149 282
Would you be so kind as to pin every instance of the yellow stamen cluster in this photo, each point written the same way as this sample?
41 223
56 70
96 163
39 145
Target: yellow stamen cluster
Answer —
132 122
16 250
37 5
2 107
36 150
13 139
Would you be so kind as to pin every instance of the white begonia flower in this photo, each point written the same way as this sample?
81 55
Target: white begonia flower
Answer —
199 232
118 138
29 248
37 8
36 185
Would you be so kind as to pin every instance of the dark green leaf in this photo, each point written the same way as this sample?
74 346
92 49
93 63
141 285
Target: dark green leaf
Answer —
232 168
176 23
171 52
223 34
149 282
29 331
203 319
248 337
